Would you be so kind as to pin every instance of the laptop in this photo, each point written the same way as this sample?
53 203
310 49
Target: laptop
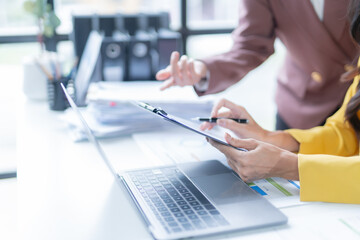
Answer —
191 199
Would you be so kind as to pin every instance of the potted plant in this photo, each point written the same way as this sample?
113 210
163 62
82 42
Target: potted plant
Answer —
34 79
47 20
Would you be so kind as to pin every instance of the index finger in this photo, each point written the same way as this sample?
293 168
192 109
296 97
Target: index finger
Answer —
209 125
222 103
174 68
206 126
167 83
163 74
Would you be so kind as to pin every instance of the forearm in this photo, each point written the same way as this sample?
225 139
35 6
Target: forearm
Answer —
282 140
329 178
253 43
288 166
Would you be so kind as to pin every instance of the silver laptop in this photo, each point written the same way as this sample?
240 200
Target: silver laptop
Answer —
191 199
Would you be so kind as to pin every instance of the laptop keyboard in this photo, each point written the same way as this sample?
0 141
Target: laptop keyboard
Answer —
175 201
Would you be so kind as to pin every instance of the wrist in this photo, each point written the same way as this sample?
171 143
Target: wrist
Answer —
267 136
282 139
289 165
203 72
202 83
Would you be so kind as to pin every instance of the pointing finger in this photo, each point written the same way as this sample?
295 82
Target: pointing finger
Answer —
168 83
229 124
163 74
193 74
183 68
174 65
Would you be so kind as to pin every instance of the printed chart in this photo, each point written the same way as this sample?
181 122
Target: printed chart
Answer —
174 146
267 187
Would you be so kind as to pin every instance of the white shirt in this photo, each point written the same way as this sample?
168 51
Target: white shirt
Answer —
318 5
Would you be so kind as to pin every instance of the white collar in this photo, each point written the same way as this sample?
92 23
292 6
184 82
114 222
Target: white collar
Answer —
319 8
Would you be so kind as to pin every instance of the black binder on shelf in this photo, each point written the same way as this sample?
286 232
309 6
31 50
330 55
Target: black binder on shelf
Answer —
134 47
167 41
114 50
142 53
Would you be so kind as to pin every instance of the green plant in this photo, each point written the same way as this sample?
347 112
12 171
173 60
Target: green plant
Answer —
46 17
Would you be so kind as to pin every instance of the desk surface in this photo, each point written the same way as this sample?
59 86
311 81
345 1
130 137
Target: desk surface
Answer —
66 192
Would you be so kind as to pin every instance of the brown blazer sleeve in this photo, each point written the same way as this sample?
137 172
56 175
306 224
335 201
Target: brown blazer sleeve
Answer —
253 44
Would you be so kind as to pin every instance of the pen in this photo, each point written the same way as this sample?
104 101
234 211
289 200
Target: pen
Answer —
53 70
212 120
57 69
73 69
45 71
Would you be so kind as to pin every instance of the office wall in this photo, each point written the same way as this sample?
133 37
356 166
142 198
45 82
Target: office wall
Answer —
202 14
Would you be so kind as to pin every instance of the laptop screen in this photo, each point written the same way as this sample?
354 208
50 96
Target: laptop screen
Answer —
88 131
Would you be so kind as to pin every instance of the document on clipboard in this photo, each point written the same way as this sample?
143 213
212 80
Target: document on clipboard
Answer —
184 123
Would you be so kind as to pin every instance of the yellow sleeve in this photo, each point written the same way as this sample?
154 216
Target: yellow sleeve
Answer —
336 137
329 178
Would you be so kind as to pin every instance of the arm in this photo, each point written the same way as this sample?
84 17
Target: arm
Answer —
329 178
251 129
325 178
336 137
253 44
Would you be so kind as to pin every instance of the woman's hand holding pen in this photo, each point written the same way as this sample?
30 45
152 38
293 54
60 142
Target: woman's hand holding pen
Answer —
249 130
262 160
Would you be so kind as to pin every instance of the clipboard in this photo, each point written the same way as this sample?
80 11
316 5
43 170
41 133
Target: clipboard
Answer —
184 123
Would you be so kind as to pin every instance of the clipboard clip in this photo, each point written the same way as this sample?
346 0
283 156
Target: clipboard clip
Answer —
152 109
160 111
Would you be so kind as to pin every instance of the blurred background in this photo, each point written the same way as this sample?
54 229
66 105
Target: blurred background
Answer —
205 27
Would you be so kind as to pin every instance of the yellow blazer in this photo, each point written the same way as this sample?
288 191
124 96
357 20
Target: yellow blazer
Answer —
328 159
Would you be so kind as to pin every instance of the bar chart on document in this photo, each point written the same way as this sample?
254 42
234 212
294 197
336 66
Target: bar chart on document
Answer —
178 146
281 192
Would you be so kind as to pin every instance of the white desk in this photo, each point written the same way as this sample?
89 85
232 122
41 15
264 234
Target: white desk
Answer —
10 82
66 192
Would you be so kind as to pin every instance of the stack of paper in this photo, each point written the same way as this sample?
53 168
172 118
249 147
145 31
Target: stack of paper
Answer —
110 111
101 130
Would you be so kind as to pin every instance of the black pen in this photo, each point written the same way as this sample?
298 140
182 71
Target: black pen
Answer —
213 120
73 69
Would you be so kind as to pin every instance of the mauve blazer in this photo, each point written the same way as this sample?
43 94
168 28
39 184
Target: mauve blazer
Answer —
318 52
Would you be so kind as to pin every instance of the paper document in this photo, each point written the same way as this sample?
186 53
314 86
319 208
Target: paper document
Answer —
176 146
106 130
110 112
280 192
193 125
113 112
142 91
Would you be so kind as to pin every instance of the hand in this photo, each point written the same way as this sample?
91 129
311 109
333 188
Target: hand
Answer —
248 130
262 160
185 71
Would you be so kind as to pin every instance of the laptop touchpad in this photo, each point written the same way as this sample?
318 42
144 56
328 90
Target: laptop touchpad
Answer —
224 188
